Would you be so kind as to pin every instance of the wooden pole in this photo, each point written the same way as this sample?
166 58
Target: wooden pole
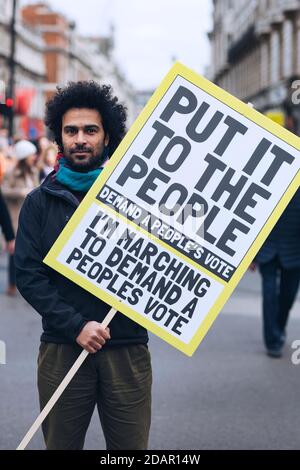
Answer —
46 410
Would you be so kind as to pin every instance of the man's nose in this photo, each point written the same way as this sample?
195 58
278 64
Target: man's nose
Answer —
80 137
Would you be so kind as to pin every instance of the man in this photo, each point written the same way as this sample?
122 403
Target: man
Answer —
88 124
279 264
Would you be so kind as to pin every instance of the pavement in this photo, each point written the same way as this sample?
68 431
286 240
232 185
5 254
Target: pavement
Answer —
229 395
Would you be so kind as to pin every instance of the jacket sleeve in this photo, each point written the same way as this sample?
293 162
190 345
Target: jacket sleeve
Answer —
5 220
32 275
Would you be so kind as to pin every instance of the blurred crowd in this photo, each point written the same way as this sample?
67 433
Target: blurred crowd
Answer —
23 166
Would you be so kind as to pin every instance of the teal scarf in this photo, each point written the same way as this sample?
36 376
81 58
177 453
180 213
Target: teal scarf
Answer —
75 180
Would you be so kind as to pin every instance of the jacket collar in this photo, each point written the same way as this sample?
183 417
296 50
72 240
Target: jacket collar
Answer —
53 187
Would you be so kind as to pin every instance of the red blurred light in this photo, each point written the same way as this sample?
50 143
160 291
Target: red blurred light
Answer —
9 102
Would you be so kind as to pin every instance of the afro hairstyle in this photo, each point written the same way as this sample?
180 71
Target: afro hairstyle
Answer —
91 95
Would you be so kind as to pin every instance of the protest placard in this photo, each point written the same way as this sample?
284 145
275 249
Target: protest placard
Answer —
174 220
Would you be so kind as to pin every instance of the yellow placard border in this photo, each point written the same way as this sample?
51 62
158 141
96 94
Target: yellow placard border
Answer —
51 259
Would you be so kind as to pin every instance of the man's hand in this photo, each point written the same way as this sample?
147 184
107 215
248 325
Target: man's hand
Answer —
93 336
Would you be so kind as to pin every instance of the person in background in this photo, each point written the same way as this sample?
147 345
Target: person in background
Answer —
6 226
42 144
279 265
47 161
17 184
5 219
2 164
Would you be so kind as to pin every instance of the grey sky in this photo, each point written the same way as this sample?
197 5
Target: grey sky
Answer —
148 33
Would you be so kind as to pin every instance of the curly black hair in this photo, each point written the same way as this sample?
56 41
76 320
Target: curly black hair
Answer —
91 95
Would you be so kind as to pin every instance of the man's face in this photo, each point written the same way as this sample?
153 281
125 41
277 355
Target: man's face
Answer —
83 138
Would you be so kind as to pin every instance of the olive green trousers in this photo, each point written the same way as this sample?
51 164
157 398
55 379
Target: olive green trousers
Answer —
116 379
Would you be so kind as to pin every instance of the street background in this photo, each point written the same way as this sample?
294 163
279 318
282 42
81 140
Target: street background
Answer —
230 394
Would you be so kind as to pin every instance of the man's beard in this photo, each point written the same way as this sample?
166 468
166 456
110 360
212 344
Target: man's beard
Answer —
93 162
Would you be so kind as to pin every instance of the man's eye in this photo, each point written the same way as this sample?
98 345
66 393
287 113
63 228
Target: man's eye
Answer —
70 131
91 131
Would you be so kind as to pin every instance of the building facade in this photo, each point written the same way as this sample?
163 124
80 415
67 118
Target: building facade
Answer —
256 54
30 72
71 57
50 52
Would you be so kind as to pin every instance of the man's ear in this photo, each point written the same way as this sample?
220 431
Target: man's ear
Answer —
106 140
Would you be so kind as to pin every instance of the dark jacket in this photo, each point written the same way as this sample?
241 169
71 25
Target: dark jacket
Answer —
5 220
64 306
284 240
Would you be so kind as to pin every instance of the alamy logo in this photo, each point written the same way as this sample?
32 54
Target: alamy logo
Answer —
295 358
2 352
296 94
